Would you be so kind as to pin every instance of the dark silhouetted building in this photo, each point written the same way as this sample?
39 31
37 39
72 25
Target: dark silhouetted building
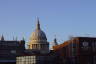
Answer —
10 49
77 50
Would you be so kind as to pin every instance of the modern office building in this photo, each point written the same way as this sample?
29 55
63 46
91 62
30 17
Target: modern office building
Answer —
36 59
77 50
10 49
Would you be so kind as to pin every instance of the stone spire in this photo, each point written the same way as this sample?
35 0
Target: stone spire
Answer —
55 41
2 38
38 24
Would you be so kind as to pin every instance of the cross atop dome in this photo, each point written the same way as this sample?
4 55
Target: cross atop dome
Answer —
38 24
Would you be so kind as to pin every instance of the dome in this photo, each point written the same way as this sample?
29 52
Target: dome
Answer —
38 41
38 35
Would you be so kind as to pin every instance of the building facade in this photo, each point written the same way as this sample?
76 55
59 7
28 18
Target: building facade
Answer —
10 49
78 50
35 59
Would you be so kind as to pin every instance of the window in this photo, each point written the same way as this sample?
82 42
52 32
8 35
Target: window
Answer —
74 49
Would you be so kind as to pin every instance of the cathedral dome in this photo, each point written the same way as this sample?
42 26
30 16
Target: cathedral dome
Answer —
38 35
38 41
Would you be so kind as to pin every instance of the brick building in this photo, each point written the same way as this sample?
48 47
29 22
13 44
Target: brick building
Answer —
77 50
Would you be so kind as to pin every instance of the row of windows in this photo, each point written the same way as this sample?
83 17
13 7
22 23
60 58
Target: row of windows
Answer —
10 44
32 62
30 58
8 47
74 47
37 62
24 62
27 60
27 57
38 46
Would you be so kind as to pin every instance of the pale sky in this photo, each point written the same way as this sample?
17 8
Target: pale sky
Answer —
62 18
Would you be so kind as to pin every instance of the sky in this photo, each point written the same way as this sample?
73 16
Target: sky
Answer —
63 18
